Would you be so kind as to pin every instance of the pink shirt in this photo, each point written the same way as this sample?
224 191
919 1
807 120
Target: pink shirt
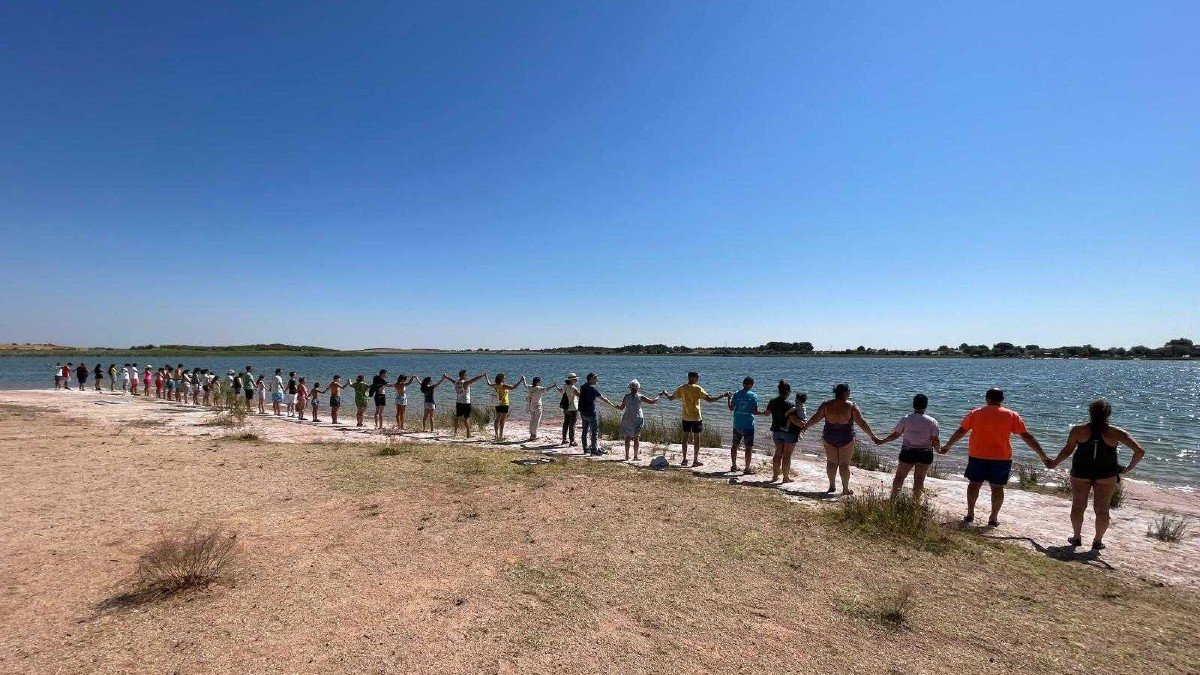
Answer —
917 429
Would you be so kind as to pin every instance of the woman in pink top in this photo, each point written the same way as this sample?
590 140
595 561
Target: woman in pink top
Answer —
920 432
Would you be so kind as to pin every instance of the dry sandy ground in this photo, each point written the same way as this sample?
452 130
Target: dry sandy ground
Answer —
454 559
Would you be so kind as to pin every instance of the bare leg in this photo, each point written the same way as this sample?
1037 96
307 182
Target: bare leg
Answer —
1100 504
919 481
627 448
845 453
787 461
636 439
972 495
831 465
997 502
902 470
776 461
1080 491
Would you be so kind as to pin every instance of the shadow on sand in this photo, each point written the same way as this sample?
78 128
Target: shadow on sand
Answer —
1065 553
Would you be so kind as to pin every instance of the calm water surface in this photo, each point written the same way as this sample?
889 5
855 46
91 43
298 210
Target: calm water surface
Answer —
1157 401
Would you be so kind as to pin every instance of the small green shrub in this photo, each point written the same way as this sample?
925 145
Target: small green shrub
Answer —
1029 476
866 458
1117 498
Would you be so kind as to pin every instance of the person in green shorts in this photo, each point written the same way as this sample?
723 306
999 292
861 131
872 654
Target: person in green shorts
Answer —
361 388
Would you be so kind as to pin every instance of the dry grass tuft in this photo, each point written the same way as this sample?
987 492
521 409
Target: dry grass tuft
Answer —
904 518
193 558
894 609
1168 527
866 458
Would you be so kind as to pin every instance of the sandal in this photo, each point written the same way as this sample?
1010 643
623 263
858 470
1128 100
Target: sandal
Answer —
1075 541
1097 545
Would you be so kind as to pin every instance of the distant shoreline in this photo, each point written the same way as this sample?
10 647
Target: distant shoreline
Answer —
191 351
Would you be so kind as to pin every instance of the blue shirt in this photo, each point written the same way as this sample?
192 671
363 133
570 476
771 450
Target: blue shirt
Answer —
588 394
744 404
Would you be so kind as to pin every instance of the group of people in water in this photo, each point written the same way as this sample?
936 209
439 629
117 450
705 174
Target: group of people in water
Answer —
1092 447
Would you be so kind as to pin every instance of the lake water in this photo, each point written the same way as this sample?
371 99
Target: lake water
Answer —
1157 401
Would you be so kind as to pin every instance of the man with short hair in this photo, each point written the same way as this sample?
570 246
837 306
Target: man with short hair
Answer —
691 422
462 399
744 404
588 394
920 432
989 450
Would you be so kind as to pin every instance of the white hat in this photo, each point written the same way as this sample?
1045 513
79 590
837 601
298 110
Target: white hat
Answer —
572 376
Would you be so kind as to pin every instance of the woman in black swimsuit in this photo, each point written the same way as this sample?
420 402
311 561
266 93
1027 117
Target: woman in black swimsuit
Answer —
1095 469
837 436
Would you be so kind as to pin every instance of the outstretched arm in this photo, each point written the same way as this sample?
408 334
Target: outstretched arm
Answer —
1035 446
954 438
889 438
816 417
475 379
1067 449
649 400
862 422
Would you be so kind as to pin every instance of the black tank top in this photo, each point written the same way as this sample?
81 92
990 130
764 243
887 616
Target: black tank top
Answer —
1094 452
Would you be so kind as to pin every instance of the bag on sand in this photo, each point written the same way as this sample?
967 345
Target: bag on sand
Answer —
659 462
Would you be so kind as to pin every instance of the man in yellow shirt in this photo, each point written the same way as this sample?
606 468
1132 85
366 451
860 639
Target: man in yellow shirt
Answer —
692 423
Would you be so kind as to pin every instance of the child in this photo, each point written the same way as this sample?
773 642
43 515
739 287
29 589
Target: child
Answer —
315 394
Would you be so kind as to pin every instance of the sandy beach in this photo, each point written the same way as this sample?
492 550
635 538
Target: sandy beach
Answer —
450 558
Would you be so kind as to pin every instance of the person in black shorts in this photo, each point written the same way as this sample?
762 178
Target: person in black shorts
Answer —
921 439
1095 468
379 385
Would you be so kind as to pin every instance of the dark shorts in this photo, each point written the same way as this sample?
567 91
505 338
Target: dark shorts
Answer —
501 410
249 394
916 455
380 399
994 471
462 410
746 435
335 401
691 427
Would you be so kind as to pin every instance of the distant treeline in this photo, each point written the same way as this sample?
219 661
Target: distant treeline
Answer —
1175 349
1178 348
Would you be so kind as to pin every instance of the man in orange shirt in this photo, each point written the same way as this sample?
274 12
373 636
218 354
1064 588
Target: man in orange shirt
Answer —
989 451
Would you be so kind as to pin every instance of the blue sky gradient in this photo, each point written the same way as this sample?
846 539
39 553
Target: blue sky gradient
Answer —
541 174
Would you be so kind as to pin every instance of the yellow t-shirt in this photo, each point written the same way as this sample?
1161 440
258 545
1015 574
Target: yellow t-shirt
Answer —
691 395
501 395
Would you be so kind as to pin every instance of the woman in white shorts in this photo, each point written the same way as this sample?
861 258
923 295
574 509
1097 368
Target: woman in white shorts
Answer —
401 386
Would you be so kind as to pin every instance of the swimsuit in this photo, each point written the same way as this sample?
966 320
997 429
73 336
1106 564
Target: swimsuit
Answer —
1094 459
839 434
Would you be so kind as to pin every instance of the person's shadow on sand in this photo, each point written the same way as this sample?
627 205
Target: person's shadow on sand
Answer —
1065 553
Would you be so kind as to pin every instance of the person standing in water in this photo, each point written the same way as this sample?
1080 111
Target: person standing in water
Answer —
533 396
401 386
920 432
462 399
1095 468
840 415
428 391
744 404
989 450
500 396
632 419
691 422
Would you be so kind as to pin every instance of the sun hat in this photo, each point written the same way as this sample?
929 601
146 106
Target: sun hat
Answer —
572 376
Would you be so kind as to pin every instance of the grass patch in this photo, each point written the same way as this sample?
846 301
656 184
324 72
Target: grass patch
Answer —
230 419
1168 527
193 558
246 436
903 518
1118 497
549 587
481 418
1029 477
390 450
894 609
866 458
658 431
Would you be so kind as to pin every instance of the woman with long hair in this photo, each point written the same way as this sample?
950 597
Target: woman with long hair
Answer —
1095 468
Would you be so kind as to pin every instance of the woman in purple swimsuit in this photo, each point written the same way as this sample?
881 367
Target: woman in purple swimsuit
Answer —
837 436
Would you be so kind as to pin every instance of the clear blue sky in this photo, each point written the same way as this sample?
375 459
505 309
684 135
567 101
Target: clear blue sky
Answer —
508 174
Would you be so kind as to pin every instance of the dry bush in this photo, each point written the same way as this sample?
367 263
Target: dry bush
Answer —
903 517
866 458
894 609
1168 527
192 558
